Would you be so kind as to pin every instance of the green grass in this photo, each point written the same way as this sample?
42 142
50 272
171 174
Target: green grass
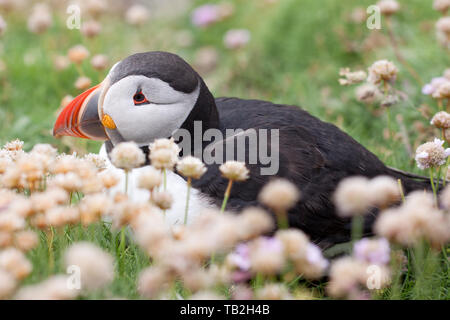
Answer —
294 57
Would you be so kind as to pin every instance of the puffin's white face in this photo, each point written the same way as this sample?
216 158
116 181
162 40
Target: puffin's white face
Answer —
144 109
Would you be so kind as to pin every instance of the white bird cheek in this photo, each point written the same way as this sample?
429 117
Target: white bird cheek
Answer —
145 123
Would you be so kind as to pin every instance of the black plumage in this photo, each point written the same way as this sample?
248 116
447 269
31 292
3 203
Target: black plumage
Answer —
313 154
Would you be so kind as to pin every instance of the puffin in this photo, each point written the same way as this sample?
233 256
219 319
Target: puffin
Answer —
153 95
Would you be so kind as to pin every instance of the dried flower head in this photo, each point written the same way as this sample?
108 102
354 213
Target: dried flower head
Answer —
109 178
26 240
78 54
352 196
443 25
96 266
234 170
152 282
279 195
83 83
205 15
191 167
253 222
431 154
368 93
164 153
351 77
266 256
127 155
388 7
14 145
382 70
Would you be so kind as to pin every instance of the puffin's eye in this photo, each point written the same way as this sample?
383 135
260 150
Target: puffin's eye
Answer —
139 98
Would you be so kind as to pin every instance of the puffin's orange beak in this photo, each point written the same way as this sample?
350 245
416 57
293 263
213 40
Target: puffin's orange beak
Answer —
80 117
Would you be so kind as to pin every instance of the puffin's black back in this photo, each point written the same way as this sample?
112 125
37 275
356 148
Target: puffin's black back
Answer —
313 154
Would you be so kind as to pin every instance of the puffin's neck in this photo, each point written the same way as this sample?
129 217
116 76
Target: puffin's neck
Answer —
204 112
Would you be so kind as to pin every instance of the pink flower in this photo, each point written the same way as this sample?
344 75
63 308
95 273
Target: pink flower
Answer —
241 257
315 257
429 88
375 251
236 38
205 15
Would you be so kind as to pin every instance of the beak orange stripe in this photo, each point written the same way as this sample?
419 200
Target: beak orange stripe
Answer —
67 121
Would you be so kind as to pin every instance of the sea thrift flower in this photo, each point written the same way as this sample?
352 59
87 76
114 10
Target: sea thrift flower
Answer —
205 15
415 220
266 256
96 266
95 7
234 170
441 120
443 25
254 222
109 178
352 196
273 291
388 7
53 288
382 70
441 5
91 28
40 19
127 155
77 54
152 281
15 262
351 77
2 25
368 93
14 145
279 195
346 276
137 15
191 167
99 62
384 191
164 153
372 251
150 178
442 91
26 240
83 83
7 284
162 199
431 154
236 38
431 87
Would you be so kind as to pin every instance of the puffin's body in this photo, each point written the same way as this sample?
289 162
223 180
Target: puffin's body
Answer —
314 155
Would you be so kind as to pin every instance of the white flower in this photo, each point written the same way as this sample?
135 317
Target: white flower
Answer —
96 266
234 170
191 167
127 155
431 154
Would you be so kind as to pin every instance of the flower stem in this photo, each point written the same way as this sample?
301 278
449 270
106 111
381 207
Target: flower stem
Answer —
165 179
400 187
226 196
282 220
186 210
126 182
357 227
432 183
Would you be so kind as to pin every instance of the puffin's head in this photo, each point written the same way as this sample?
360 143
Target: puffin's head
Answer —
145 96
